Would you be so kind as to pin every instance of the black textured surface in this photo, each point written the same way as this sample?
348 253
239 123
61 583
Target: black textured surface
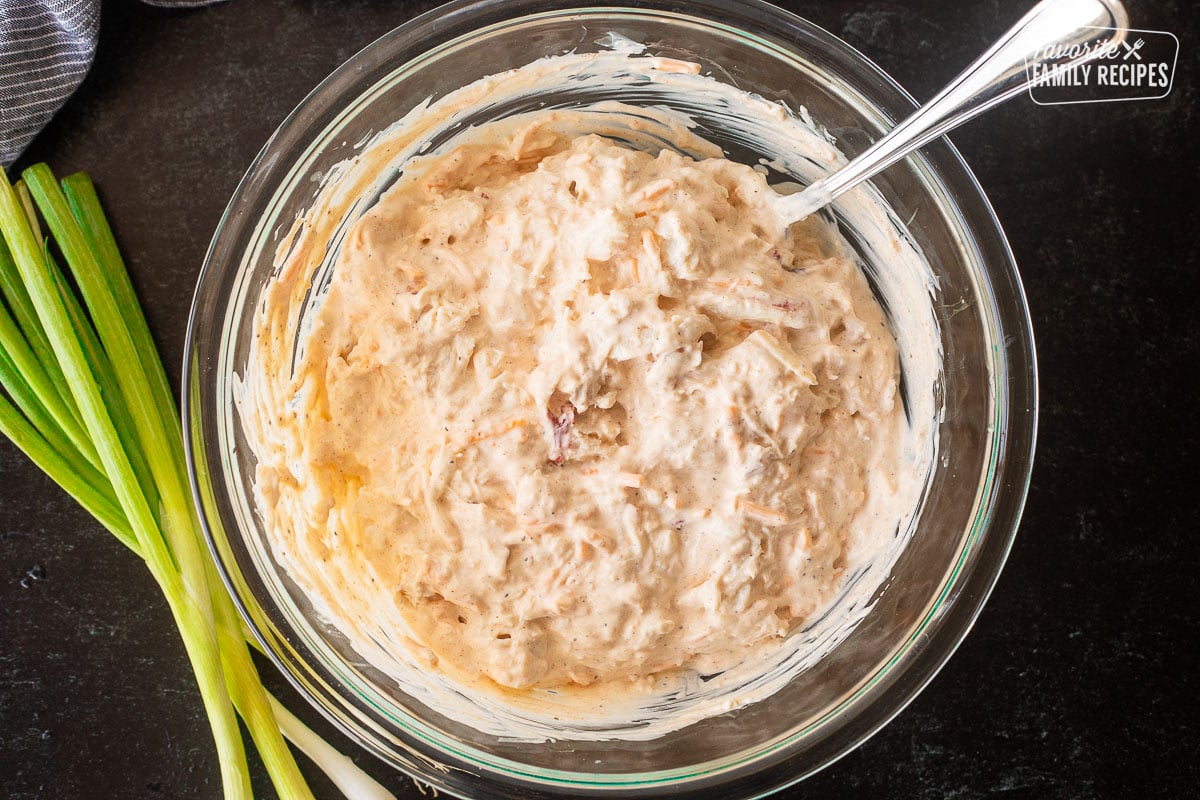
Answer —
1080 678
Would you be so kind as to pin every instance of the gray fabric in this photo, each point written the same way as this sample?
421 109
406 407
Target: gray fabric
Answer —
46 48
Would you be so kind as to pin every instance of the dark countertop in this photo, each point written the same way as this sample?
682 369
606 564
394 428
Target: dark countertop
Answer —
1080 677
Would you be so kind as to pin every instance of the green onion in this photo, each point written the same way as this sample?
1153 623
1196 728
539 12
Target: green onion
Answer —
86 397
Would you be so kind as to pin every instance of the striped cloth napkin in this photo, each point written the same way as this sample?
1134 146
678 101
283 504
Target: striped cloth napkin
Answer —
46 47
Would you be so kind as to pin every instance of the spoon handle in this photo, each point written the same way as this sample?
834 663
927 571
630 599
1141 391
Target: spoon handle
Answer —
994 77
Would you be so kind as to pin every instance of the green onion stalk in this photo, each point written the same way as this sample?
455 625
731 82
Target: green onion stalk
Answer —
86 397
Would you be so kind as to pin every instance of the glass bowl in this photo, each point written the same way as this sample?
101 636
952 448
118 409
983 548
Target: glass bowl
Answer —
973 500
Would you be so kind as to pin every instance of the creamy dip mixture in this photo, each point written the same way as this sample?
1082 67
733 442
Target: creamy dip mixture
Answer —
574 414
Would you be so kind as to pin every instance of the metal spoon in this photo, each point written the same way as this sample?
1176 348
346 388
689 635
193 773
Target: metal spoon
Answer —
1000 73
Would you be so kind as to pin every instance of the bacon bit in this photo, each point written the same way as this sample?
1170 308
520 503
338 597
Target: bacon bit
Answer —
786 305
775 254
505 427
763 514
485 196
561 414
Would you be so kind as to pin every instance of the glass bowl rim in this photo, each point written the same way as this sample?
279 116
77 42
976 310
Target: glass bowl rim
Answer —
920 662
